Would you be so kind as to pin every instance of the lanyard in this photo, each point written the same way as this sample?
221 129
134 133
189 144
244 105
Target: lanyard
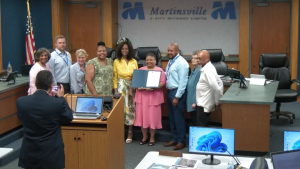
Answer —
66 61
81 69
171 62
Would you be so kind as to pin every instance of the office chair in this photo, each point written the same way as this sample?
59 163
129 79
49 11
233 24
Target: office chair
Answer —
134 52
111 53
141 53
275 67
25 69
217 59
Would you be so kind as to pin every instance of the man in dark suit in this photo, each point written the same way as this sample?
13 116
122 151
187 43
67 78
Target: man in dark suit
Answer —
42 117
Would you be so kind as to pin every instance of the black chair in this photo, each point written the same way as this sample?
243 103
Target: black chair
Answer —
111 53
25 70
141 53
275 67
134 52
217 59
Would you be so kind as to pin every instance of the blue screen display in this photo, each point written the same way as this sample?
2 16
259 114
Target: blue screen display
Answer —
89 105
211 140
291 140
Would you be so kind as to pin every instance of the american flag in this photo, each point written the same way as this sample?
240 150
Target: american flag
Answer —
30 45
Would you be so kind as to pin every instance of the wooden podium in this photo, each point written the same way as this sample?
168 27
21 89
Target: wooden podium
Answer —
95 144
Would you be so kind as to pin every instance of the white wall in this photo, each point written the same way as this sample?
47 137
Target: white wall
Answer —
208 33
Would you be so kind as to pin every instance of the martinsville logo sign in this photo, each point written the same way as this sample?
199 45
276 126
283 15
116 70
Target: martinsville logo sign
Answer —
138 10
228 9
133 11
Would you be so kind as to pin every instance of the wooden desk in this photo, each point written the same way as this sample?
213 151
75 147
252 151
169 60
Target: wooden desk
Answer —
94 144
8 97
248 112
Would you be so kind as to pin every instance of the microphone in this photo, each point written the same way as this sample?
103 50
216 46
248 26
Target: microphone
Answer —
242 82
235 159
246 71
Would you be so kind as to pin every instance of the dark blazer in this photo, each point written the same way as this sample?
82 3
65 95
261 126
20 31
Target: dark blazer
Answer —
42 117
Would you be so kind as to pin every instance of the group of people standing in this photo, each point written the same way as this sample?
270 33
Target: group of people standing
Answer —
198 92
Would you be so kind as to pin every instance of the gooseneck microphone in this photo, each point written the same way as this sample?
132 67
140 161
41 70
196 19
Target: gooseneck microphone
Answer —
235 158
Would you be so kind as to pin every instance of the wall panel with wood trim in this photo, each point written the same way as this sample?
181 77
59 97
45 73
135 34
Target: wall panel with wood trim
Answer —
109 16
294 41
244 35
1 64
244 38
58 19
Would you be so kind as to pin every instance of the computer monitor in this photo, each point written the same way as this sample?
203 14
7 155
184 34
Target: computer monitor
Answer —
211 141
286 159
291 140
89 105
233 74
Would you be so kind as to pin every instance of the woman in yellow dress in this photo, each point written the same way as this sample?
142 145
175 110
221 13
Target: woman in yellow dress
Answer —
123 70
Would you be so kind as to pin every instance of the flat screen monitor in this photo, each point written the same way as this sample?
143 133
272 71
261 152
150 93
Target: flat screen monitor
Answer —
291 140
233 74
286 159
89 105
211 141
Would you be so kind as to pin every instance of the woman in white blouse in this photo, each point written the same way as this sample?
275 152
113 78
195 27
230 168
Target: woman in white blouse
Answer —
77 72
42 56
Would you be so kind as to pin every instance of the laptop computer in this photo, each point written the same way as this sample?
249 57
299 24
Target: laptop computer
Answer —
291 140
88 107
286 159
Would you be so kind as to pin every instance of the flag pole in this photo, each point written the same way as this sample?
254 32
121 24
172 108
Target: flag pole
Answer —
30 44
29 16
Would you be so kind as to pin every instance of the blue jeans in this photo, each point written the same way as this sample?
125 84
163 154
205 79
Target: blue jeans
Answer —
176 117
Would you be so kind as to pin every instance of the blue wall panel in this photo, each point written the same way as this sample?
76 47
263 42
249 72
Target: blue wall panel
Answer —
13 27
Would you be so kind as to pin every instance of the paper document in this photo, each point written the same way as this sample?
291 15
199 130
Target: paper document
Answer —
153 79
186 163
254 81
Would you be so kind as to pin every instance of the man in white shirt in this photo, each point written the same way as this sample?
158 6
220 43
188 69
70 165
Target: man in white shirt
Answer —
60 63
209 89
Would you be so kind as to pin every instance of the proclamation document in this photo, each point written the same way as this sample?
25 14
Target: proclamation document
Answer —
153 79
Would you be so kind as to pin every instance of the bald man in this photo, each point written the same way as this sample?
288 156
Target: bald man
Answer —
177 77
209 89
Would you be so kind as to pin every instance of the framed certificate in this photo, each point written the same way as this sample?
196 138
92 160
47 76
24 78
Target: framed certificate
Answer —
146 78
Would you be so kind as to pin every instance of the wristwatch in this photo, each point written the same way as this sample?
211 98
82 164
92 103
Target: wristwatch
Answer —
176 98
152 89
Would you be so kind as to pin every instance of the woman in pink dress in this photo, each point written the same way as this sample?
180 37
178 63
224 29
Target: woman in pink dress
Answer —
42 56
148 103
